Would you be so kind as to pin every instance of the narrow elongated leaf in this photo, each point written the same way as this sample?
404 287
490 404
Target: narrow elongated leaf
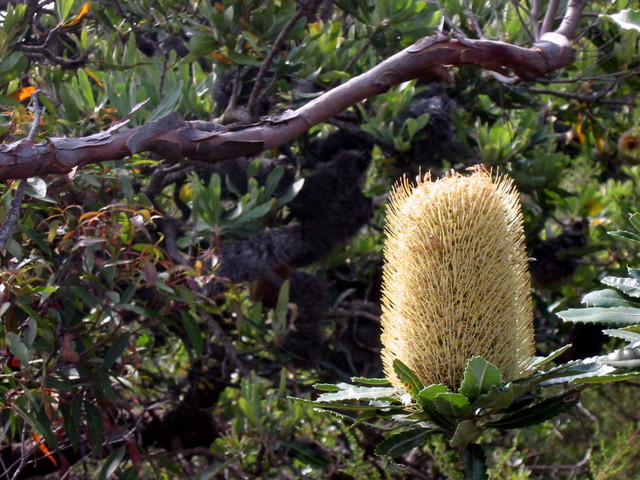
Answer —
608 298
168 103
370 381
628 20
115 350
411 382
354 392
18 347
326 387
537 413
631 237
395 445
628 358
112 463
609 378
536 362
479 377
622 333
609 316
193 333
628 286
96 427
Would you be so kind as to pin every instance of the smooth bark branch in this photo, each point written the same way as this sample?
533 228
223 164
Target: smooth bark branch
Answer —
175 139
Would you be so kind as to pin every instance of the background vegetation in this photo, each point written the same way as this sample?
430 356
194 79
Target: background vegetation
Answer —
157 315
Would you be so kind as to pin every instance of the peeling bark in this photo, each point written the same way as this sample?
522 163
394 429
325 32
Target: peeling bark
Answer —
175 139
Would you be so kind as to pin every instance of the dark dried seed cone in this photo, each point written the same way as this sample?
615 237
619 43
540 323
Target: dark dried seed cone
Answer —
455 278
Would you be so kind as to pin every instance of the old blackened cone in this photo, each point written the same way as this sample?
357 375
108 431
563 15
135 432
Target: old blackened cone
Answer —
455 278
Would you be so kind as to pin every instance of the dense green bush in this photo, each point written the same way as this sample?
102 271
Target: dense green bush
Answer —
158 315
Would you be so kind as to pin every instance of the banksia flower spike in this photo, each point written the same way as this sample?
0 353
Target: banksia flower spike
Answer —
455 280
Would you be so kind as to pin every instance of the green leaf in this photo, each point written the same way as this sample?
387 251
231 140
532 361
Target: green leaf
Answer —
37 187
622 333
497 398
538 413
479 377
370 381
631 237
411 382
634 218
112 463
453 404
429 394
96 427
475 463
608 316
628 286
608 298
115 350
353 392
622 358
466 432
326 387
534 363
627 19
63 8
18 347
193 332
169 103
396 445
609 378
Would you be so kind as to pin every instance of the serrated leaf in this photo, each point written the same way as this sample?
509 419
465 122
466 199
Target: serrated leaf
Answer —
453 404
326 387
354 392
627 19
538 413
429 394
631 237
628 286
370 381
534 363
497 398
609 378
397 444
622 333
466 432
608 298
608 316
411 382
627 358
479 377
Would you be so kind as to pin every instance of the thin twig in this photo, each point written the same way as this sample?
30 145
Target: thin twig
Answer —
252 105
593 98
16 204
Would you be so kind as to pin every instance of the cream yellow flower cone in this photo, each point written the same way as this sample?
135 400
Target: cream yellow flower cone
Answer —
455 281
